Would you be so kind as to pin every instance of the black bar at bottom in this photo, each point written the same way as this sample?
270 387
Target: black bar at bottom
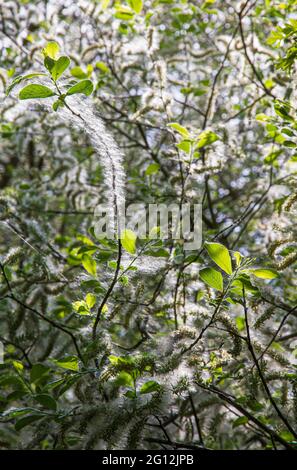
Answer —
136 459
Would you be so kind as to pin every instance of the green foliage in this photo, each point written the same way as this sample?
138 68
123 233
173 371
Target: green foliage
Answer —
69 363
212 278
136 5
89 264
180 129
149 387
128 240
56 67
220 255
240 421
35 91
264 273
152 169
22 78
108 339
206 138
46 401
51 50
60 66
85 87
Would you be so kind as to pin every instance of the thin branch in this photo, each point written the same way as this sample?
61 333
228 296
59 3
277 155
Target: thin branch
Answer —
261 375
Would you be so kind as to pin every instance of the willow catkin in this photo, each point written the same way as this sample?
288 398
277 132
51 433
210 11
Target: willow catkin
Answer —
292 199
110 157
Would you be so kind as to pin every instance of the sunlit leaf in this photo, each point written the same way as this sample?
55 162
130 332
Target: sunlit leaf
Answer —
78 72
84 87
128 240
22 78
51 50
238 257
104 4
149 387
35 91
69 363
90 300
136 5
89 264
180 129
212 278
18 365
206 138
152 169
264 273
124 13
60 66
81 307
220 255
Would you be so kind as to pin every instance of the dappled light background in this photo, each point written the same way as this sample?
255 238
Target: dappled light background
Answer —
141 344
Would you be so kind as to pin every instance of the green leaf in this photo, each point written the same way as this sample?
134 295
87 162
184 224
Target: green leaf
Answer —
124 13
238 257
35 91
104 4
18 366
152 169
264 273
90 300
131 394
22 78
274 37
68 362
262 117
206 138
15 412
49 63
239 421
185 146
117 360
21 423
240 323
81 307
180 129
243 281
58 104
149 387
157 252
89 264
85 87
37 372
60 66
128 239
255 405
47 401
124 379
272 156
78 72
220 255
51 50
102 67
289 143
212 278
282 109
124 280
136 5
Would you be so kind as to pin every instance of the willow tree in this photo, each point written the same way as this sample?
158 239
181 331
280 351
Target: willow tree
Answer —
123 342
